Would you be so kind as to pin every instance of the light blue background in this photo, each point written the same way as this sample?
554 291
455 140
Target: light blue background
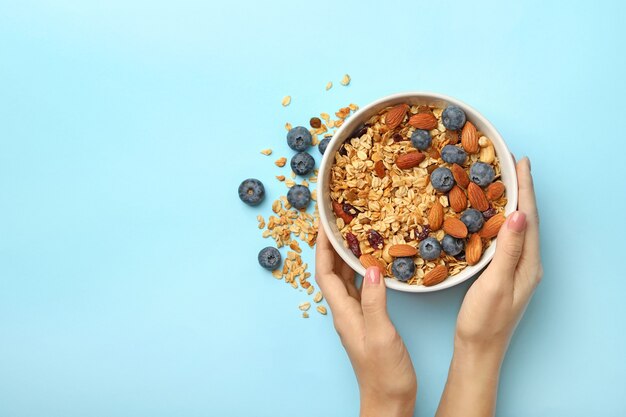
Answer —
128 279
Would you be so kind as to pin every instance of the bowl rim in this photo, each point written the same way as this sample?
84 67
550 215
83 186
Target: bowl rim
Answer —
506 159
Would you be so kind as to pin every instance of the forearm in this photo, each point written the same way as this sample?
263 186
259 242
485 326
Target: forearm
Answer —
472 385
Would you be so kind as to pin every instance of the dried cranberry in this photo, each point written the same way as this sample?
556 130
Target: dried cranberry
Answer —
423 234
353 244
489 213
315 122
350 209
398 137
375 239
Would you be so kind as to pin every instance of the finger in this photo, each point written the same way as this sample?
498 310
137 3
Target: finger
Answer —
509 247
527 204
330 283
374 302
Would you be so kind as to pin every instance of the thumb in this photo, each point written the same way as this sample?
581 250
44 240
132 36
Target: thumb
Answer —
510 243
374 301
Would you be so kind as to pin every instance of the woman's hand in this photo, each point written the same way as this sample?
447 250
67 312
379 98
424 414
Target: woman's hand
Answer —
497 300
380 360
492 307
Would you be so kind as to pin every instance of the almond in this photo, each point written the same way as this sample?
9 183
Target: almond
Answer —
457 198
395 115
492 226
423 121
368 260
477 197
338 209
409 160
469 138
399 251
435 216
460 175
455 227
379 169
495 191
473 249
435 276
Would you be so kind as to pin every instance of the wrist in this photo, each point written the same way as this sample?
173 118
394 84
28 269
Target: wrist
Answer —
375 405
475 358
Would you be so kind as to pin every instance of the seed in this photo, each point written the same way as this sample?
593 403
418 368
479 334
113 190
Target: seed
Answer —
286 101
329 85
315 122
345 80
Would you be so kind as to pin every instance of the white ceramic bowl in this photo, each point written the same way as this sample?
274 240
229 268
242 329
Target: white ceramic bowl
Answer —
327 217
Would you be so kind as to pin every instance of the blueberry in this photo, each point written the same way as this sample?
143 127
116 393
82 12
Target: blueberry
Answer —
403 268
453 118
442 179
430 248
451 245
323 145
482 173
453 155
269 258
421 139
299 196
473 219
299 138
302 163
251 191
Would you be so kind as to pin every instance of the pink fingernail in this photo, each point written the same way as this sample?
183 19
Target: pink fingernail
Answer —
372 275
517 222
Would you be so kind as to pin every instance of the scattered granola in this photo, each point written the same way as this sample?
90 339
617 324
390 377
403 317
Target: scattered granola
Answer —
304 306
266 151
286 101
321 310
280 162
329 85
345 80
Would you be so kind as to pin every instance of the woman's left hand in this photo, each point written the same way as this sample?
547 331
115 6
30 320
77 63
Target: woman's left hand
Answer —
380 360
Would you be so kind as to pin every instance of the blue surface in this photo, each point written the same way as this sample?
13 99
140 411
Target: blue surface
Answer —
128 280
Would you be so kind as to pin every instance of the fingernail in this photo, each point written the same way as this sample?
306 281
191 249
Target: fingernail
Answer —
517 222
372 275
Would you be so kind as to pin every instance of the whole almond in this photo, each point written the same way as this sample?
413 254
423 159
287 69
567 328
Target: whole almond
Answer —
395 115
409 160
435 216
379 169
477 197
460 175
368 260
455 227
423 121
399 251
492 226
435 276
338 209
457 198
469 138
473 249
495 191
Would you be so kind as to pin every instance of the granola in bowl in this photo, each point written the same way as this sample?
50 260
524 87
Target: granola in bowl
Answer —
417 189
